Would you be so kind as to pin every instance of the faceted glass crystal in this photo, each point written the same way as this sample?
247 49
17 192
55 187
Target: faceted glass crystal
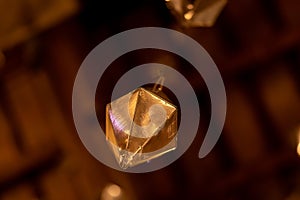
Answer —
197 12
140 126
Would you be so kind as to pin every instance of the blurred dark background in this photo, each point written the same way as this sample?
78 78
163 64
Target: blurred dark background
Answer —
255 44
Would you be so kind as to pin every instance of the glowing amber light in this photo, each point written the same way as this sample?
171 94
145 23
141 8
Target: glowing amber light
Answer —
111 192
298 147
190 6
114 190
189 15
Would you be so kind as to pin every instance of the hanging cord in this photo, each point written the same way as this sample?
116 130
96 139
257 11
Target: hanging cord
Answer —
159 84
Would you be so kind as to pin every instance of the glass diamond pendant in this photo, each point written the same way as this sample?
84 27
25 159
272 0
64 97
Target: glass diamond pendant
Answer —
196 13
140 126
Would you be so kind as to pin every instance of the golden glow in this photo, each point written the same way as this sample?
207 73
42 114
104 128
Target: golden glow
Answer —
298 149
190 6
114 190
298 146
189 15
111 192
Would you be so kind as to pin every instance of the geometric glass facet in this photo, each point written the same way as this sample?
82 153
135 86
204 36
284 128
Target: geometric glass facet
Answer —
196 13
140 126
